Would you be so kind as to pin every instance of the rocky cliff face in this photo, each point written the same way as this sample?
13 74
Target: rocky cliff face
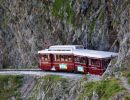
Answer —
27 26
52 87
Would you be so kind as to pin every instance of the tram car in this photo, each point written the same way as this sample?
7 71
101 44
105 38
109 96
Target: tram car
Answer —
74 58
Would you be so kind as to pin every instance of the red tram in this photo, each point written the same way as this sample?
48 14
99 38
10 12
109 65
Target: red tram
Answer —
74 58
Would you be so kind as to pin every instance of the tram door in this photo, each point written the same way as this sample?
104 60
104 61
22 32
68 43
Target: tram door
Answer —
51 59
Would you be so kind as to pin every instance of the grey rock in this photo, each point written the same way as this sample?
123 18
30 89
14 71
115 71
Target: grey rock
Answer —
29 26
95 96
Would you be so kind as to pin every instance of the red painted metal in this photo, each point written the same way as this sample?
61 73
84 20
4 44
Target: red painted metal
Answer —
94 70
81 66
69 66
45 65
85 68
72 65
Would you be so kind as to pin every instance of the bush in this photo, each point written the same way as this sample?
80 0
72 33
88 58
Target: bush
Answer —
129 79
105 89
9 85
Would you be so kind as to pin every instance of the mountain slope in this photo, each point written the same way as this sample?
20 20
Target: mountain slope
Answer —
27 26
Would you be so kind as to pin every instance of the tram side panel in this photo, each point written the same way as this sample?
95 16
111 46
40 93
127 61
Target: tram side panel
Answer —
95 66
81 64
63 63
45 62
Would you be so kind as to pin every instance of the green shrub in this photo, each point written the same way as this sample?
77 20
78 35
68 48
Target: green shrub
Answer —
129 79
9 85
127 98
1 2
105 89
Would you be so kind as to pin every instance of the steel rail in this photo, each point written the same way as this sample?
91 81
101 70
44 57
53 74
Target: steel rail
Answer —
21 70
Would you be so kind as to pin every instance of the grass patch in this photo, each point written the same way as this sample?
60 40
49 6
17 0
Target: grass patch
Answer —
101 16
126 73
105 89
5 21
9 85
92 26
53 78
52 84
127 98
1 2
125 70
128 79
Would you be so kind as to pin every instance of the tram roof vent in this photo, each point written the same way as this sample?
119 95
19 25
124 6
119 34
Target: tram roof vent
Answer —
65 47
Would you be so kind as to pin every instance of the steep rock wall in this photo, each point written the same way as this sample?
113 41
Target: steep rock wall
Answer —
27 26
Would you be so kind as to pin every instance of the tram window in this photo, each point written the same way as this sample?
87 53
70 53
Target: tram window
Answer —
82 60
57 57
77 59
66 58
45 57
42 58
69 58
49 57
94 62
54 57
62 58
106 62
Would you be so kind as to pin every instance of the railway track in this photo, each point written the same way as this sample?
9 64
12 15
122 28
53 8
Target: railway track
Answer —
20 70
38 72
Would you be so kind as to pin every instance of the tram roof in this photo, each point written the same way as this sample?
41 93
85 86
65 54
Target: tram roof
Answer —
95 53
65 47
47 51
82 52
77 50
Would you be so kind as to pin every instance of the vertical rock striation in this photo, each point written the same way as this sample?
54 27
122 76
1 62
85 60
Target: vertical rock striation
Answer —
27 26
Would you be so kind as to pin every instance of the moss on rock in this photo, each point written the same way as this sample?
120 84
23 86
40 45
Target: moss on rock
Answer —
62 9
105 89
9 85
128 79
57 87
